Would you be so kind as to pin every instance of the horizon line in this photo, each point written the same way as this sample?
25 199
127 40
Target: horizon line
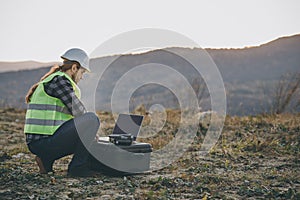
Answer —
146 51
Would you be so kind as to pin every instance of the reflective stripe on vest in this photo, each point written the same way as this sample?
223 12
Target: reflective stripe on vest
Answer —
45 114
44 122
48 107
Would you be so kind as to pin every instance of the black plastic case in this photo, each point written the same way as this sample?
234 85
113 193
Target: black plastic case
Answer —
121 139
120 159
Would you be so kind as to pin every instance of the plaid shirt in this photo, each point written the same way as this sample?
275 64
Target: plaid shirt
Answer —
61 88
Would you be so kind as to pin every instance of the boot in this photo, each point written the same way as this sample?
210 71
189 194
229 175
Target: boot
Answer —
44 169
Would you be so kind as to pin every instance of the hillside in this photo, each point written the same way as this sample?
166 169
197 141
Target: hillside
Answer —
265 62
255 158
250 76
23 65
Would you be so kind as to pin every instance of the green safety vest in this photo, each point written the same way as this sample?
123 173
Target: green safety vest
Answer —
45 114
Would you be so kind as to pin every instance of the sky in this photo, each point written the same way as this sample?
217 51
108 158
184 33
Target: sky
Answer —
43 30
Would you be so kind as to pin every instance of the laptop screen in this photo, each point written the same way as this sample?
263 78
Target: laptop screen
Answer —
128 124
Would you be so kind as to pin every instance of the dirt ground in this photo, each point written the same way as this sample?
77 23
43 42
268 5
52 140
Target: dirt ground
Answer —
255 158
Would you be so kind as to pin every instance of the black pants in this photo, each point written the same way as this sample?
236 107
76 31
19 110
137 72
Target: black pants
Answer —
72 137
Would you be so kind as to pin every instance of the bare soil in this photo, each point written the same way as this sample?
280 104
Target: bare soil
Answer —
255 158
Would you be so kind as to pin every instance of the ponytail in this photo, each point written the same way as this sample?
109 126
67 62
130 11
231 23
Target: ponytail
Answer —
67 64
53 69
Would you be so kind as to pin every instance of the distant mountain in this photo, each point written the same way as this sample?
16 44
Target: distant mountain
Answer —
23 65
268 61
250 76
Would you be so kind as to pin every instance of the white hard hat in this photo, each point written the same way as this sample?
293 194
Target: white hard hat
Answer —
79 56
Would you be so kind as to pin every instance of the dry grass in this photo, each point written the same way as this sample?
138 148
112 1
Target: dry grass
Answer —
255 158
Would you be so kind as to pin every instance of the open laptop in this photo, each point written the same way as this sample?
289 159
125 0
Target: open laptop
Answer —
126 124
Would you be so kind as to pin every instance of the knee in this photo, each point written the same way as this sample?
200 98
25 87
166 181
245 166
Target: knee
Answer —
92 119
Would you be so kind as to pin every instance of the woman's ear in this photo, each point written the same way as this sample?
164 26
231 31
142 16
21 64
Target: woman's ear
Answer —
74 68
